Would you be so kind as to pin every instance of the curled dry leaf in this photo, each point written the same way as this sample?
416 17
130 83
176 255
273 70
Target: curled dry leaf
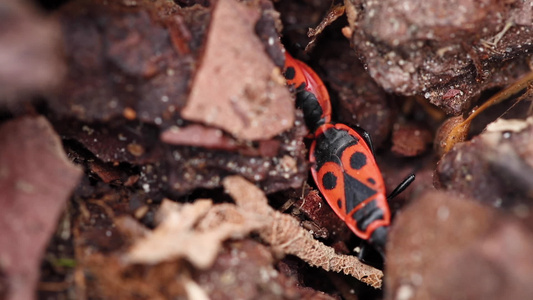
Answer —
192 231
451 132
285 235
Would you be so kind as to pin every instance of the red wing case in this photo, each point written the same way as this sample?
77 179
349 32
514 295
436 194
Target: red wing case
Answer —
349 178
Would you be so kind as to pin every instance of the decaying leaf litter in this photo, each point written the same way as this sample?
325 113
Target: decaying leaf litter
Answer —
128 102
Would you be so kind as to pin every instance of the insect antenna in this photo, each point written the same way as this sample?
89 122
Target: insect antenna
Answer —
402 186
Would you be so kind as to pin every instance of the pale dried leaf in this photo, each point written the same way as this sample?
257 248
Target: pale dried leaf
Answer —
513 125
194 291
178 237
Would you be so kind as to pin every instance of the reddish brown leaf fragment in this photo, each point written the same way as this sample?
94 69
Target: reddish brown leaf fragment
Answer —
105 171
180 35
30 54
410 139
199 136
248 103
319 211
36 179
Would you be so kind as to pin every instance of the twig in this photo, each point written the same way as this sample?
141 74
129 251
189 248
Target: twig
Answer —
461 128
493 41
284 234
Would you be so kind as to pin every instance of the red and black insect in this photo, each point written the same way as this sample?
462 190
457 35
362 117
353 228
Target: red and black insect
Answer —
311 93
343 163
346 173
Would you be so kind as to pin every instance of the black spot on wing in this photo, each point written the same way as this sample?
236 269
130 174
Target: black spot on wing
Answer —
357 160
356 192
290 73
371 180
339 203
367 214
329 181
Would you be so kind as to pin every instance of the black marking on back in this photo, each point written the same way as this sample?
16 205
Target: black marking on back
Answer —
367 214
331 144
290 73
379 239
371 180
339 203
355 192
309 104
357 160
329 181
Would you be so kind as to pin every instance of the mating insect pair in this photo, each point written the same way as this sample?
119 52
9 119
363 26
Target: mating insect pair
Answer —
343 163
